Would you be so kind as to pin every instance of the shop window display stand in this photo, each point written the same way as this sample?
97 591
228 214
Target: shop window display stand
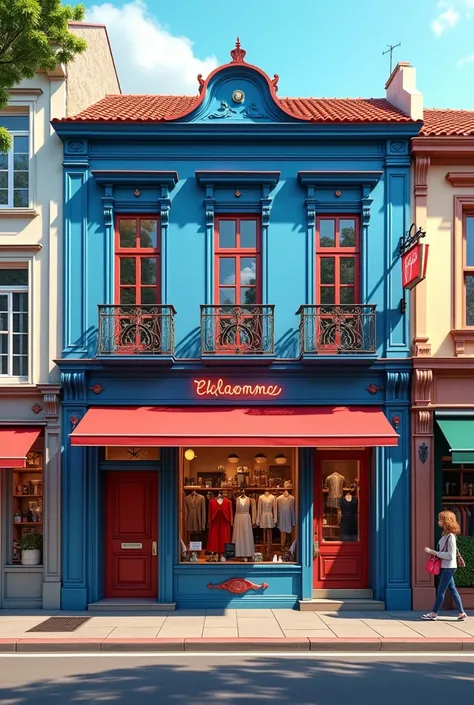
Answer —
27 504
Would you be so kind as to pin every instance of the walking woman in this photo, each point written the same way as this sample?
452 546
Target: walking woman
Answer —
447 552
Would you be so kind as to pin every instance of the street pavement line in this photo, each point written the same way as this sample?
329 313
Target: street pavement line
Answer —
380 655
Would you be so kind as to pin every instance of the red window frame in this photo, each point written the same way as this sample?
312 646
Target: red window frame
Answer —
237 253
139 254
338 253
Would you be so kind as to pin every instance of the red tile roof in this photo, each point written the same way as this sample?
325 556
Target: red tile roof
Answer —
151 108
446 123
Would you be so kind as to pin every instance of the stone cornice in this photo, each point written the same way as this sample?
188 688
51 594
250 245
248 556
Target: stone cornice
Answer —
461 178
444 150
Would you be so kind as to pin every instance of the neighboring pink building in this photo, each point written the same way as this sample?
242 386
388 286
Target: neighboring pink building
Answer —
443 339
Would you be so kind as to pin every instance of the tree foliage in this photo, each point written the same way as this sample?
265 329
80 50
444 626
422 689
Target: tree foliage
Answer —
34 35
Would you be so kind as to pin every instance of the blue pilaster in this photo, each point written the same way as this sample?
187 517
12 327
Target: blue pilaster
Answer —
167 522
306 494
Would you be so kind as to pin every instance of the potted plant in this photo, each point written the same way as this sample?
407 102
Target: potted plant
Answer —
31 546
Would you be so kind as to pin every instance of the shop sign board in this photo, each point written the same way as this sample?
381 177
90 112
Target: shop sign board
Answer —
195 545
414 264
206 387
229 550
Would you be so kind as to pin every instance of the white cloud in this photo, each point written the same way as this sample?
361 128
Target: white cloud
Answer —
149 58
445 20
466 60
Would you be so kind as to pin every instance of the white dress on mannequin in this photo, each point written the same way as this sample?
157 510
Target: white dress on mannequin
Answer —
243 535
267 511
286 513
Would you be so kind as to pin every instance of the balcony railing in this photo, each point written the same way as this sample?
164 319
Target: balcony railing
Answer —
345 329
136 330
237 330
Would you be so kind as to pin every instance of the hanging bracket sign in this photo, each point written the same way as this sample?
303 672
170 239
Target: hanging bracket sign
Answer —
414 255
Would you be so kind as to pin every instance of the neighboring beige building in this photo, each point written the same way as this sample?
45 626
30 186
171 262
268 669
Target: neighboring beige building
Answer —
443 339
31 217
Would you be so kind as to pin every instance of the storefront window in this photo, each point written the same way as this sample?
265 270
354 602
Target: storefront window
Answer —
458 493
340 500
238 505
27 518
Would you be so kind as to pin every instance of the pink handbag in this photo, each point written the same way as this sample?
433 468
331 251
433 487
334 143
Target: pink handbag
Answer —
433 565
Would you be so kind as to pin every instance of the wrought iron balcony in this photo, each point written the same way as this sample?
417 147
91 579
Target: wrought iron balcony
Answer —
237 330
136 330
343 329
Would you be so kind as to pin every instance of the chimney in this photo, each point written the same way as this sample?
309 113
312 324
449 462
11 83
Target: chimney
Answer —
402 93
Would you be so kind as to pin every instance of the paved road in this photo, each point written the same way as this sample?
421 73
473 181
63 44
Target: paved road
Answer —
236 680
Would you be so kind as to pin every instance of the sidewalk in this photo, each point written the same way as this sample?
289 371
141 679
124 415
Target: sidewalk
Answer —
238 630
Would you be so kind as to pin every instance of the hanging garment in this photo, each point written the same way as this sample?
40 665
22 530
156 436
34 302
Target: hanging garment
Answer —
286 513
220 520
267 511
242 535
349 523
335 484
195 513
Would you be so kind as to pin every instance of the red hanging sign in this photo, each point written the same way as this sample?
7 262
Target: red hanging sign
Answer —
414 264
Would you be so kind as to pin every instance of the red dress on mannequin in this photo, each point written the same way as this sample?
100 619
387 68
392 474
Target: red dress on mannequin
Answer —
220 520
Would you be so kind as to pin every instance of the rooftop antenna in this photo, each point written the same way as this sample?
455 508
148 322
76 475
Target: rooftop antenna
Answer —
390 49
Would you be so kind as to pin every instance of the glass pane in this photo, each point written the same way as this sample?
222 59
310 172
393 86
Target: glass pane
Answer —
20 302
327 270
20 198
226 297
3 363
149 233
226 233
248 268
20 322
248 233
13 277
127 296
226 270
347 270
148 274
347 295
20 365
20 145
3 179
3 161
128 274
149 295
4 344
470 300
3 301
327 295
3 322
347 236
20 162
3 197
248 295
127 233
20 179
340 520
327 233
20 344
469 234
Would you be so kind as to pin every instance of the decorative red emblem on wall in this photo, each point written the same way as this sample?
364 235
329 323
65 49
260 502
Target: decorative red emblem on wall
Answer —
396 421
97 388
238 54
74 421
36 408
237 586
373 388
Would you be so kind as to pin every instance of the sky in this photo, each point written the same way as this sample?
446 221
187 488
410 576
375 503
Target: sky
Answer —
323 48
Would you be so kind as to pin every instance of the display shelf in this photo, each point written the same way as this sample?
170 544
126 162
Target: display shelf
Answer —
27 523
25 503
21 496
465 497
233 489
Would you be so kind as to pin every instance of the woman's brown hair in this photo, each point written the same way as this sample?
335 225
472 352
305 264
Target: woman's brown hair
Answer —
450 525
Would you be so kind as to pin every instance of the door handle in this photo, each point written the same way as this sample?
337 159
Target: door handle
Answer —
153 548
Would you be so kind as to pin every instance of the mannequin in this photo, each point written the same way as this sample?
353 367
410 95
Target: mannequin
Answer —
286 516
335 483
220 521
267 515
195 513
243 534
349 517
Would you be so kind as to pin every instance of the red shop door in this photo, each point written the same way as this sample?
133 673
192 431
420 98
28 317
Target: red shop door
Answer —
341 520
131 528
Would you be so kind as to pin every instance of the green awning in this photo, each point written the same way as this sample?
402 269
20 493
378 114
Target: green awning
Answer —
460 436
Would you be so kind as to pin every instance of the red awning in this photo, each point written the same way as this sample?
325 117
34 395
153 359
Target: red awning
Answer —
234 426
15 443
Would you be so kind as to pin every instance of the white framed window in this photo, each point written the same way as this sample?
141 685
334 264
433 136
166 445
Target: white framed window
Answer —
15 186
14 323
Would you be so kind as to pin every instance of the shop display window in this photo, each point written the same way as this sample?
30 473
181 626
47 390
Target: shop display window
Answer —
458 493
340 500
27 510
238 505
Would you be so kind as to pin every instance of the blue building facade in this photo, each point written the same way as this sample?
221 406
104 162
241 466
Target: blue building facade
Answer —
229 257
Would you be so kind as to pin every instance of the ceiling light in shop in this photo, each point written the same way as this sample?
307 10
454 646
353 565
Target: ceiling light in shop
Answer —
280 459
189 454
260 458
233 458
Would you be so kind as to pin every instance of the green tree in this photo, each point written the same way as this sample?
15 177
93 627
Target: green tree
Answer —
34 35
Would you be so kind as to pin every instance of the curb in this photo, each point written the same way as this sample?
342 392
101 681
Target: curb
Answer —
335 644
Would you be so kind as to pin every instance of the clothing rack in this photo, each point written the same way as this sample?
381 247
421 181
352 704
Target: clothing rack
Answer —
464 512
